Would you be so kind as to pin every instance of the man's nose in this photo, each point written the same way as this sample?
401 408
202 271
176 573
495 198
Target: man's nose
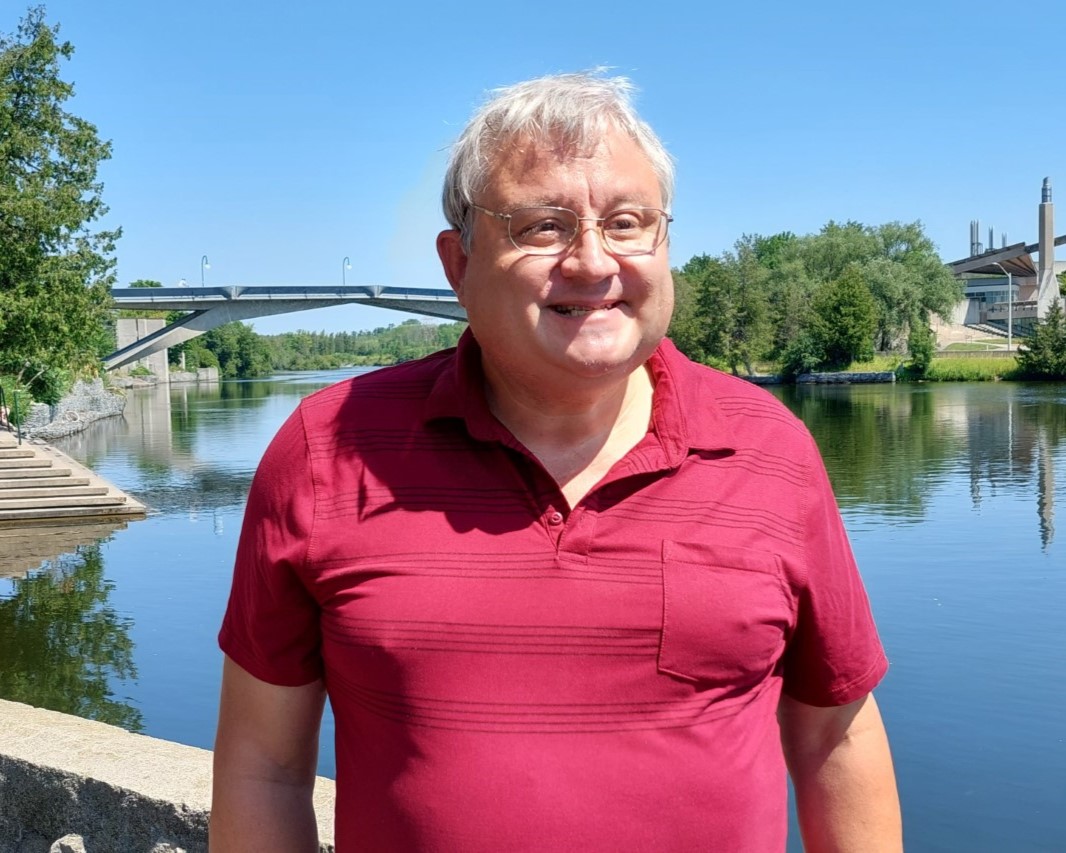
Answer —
587 256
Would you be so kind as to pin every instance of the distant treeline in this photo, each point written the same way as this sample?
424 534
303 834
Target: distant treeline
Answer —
386 345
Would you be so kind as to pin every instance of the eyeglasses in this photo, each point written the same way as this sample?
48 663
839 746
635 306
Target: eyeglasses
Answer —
552 230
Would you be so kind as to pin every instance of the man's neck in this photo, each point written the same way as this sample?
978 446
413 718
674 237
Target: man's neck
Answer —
580 436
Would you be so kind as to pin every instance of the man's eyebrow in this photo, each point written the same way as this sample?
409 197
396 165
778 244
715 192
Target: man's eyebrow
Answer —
620 203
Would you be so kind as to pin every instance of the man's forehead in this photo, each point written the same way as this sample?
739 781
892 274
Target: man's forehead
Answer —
520 160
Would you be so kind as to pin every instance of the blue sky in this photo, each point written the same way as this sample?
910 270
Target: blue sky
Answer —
279 138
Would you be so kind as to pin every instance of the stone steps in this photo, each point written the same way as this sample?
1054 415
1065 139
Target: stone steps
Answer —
40 484
53 479
26 462
35 473
15 452
13 498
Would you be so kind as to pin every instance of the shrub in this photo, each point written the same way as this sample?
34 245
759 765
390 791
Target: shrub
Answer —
1043 355
921 344
17 398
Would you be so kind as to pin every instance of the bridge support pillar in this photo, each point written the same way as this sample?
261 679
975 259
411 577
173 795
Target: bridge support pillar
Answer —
129 331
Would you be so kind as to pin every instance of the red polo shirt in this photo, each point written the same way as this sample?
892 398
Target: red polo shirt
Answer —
510 675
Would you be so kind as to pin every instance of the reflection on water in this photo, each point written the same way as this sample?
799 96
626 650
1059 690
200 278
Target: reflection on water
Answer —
63 643
889 448
948 492
25 548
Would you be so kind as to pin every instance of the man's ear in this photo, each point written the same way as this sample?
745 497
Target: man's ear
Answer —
453 258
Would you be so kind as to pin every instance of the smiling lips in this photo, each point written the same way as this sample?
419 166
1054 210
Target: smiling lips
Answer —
582 310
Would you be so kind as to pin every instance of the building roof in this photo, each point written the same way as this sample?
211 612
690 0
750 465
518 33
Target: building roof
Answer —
1016 260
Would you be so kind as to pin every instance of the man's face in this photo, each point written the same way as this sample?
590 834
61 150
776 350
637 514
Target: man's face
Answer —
583 314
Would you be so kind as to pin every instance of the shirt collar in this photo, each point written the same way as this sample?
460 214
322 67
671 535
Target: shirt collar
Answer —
685 413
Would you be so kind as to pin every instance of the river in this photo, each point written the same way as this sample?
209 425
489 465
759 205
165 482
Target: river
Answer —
948 492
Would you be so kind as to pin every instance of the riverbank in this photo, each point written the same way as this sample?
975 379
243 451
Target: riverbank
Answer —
87 402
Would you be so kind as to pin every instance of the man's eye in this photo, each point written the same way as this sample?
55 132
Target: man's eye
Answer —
545 226
544 229
623 222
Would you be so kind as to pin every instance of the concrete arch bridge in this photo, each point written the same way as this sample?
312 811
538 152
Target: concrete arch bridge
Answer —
211 307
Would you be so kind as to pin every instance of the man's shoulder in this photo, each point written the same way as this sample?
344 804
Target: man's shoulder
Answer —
743 405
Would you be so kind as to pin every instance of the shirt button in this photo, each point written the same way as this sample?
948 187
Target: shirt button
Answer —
555 518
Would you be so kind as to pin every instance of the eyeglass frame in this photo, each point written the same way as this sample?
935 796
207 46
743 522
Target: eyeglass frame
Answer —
599 220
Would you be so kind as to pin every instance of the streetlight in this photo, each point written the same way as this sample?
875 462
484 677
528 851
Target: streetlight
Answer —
346 264
1010 304
204 265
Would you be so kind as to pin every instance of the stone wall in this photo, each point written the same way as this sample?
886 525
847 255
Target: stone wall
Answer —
68 784
86 402
844 378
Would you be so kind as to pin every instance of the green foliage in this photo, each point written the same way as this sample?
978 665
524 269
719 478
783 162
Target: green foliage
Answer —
803 354
1043 355
949 369
844 319
235 349
813 302
722 305
686 323
734 302
389 345
773 251
17 398
921 344
55 272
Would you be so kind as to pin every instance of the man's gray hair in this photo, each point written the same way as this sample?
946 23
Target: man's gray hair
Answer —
571 110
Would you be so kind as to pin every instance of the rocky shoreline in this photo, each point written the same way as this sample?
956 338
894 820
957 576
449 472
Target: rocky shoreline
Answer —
88 401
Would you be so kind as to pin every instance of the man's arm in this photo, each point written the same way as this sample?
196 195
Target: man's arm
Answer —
841 770
266 751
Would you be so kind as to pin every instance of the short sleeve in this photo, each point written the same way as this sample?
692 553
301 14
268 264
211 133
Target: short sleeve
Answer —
271 626
835 655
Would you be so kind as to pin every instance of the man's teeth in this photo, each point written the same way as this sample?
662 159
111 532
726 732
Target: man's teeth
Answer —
579 310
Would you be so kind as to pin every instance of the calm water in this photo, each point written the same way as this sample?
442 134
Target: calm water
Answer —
949 493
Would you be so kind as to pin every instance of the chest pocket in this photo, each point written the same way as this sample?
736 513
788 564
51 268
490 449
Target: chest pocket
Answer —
726 614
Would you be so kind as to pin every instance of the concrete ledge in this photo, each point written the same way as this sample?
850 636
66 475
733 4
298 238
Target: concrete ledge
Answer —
121 792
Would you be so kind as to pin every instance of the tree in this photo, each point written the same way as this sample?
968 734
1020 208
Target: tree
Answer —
901 268
55 271
845 319
733 301
686 323
1043 355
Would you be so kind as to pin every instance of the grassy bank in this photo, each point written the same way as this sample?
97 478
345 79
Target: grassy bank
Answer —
942 368
971 369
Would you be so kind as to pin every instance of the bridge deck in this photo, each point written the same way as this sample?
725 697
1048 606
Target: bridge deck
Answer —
211 307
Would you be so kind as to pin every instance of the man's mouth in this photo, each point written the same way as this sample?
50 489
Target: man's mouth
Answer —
582 310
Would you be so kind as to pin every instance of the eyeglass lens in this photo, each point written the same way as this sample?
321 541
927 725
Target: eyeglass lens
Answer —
549 230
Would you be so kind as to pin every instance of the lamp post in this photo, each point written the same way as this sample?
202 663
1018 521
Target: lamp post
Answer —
345 265
204 265
1010 305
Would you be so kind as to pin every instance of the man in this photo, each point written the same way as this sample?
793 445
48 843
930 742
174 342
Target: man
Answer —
566 589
